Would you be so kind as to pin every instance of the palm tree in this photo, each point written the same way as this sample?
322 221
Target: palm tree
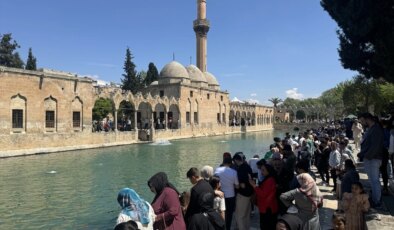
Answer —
275 101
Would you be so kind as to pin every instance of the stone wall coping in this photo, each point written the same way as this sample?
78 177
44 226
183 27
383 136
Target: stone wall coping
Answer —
46 74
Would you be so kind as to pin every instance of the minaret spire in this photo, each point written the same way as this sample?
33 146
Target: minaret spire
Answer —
201 27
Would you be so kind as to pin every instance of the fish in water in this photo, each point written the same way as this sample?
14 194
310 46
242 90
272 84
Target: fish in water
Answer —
52 172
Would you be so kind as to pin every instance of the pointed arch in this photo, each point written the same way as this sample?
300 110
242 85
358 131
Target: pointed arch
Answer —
77 113
18 113
50 109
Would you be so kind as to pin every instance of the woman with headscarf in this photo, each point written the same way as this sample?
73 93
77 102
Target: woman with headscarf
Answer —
136 209
307 201
289 222
166 203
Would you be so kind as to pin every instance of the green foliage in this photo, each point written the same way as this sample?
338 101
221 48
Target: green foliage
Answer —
8 56
102 107
300 114
31 63
141 77
366 35
361 94
152 74
130 81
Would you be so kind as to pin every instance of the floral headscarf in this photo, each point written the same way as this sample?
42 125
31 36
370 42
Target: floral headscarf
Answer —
309 189
133 206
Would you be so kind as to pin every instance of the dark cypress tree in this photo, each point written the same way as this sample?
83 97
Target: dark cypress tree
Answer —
8 56
130 81
31 63
366 35
152 74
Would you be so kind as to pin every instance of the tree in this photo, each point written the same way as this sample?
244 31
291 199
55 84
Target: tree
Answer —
130 81
275 101
8 56
152 74
31 63
362 94
141 78
366 35
102 107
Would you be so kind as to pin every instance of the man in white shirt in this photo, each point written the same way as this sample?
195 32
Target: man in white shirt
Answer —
229 182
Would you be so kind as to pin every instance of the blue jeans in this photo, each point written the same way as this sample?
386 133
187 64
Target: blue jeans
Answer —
372 169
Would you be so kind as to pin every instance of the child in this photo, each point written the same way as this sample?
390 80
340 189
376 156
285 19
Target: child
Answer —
184 200
219 202
338 222
355 204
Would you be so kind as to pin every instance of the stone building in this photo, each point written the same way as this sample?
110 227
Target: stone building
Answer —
47 111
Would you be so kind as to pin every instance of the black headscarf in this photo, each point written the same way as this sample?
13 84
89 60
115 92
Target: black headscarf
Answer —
159 181
271 172
291 221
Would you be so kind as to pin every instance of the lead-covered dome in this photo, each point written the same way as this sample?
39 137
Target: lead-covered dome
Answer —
211 79
174 70
195 74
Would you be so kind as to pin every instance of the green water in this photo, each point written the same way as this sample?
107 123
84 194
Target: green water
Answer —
78 190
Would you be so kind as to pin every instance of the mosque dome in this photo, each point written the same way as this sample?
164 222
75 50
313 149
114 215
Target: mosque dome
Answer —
154 83
174 70
195 74
211 79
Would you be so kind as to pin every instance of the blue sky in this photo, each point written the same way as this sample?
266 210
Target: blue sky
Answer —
257 49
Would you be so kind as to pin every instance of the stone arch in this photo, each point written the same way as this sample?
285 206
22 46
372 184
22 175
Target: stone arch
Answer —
231 118
237 118
144 115
224 112
196 112
18 113
173 117
219 113
253 118
125 119
50 108
243 118
102 108
249 118
159 116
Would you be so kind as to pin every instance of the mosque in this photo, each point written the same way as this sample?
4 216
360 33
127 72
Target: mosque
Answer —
48 111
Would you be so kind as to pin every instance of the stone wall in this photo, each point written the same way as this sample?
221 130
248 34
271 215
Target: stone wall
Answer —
32 94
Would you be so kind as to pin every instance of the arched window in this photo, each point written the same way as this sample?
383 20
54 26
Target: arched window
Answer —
50 108
18 113
77 114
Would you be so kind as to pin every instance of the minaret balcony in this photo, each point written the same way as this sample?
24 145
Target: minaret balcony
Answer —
201 25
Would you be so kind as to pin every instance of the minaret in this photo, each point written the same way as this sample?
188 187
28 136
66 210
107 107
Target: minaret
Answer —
201 27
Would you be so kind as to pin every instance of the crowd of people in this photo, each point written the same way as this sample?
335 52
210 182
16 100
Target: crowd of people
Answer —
280 184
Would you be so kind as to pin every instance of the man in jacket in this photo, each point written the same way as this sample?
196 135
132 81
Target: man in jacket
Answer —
372 153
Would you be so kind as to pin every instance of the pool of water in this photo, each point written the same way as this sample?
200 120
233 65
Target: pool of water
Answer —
78 189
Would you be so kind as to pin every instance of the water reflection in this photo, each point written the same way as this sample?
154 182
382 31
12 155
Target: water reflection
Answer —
77 190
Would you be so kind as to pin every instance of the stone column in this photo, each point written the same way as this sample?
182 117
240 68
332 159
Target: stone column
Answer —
135 121
166 119
116 120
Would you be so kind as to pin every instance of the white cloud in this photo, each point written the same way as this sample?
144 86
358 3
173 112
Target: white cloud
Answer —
253 94
252 101
293 93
